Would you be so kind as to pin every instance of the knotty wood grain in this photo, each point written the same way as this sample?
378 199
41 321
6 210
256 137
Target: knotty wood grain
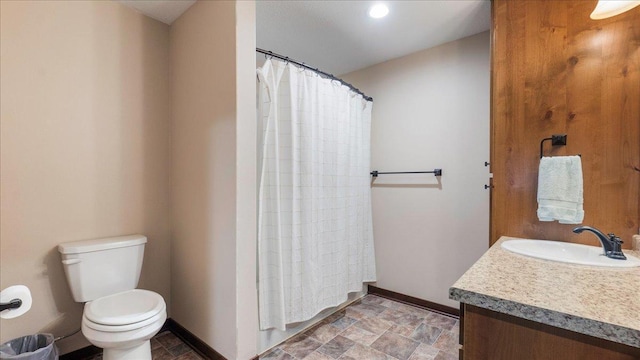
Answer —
554 70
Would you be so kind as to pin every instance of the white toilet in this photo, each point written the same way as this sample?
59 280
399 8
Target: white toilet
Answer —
117 317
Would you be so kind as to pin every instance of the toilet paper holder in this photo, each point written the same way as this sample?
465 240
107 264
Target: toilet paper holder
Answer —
13 304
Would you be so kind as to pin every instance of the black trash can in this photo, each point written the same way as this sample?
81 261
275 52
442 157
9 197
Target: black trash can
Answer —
32 347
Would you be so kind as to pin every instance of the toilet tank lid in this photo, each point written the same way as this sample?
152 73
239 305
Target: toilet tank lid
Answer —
84 246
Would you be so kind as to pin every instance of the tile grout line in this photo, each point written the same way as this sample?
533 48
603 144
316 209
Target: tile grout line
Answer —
410 339
414 350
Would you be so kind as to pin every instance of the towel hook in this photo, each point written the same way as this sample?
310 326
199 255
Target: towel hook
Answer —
556 139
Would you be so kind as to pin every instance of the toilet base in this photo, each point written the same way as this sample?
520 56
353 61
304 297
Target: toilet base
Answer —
127 345
140 352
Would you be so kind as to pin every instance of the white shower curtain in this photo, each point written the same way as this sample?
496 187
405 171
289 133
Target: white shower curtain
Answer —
314 223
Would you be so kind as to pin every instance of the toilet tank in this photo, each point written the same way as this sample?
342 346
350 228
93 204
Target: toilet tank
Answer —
101 267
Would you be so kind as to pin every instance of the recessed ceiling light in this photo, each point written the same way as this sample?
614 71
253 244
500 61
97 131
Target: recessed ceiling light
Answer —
378 11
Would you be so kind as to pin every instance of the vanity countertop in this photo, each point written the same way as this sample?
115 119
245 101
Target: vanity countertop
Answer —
601 302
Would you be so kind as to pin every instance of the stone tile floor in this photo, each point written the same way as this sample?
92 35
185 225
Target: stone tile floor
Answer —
375 328
167 346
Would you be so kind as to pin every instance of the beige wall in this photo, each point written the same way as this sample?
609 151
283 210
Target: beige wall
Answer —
246 188
430 110
85 144
213 182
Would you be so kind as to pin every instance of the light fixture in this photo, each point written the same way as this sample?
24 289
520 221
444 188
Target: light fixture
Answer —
378 11
608 8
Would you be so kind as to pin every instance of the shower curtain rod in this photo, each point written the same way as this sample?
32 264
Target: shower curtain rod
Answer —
320 72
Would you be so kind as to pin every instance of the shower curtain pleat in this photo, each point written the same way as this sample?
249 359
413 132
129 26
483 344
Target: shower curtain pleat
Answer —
315 235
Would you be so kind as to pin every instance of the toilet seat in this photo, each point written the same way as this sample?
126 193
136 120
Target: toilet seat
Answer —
124 311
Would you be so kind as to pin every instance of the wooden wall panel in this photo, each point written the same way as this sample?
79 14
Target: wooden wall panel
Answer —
556 71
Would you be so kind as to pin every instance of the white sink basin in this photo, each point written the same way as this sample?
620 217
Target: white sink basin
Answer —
568 253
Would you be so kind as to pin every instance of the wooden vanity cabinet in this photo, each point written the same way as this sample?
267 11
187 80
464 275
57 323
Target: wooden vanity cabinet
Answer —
489 335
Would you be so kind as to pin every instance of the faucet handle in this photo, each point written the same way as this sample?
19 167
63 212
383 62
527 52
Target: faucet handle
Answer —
615 238
616 247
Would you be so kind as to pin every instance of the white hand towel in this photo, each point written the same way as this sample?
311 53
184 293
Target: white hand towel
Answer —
560 191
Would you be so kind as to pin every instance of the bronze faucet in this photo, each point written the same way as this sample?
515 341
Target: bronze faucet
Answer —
612 244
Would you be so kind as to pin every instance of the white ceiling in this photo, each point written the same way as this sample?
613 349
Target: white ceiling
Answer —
163 10
339 37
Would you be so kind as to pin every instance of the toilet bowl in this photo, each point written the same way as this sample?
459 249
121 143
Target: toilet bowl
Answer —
104 274
123 323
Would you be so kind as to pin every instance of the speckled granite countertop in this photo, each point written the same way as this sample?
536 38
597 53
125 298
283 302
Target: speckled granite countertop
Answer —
601 302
